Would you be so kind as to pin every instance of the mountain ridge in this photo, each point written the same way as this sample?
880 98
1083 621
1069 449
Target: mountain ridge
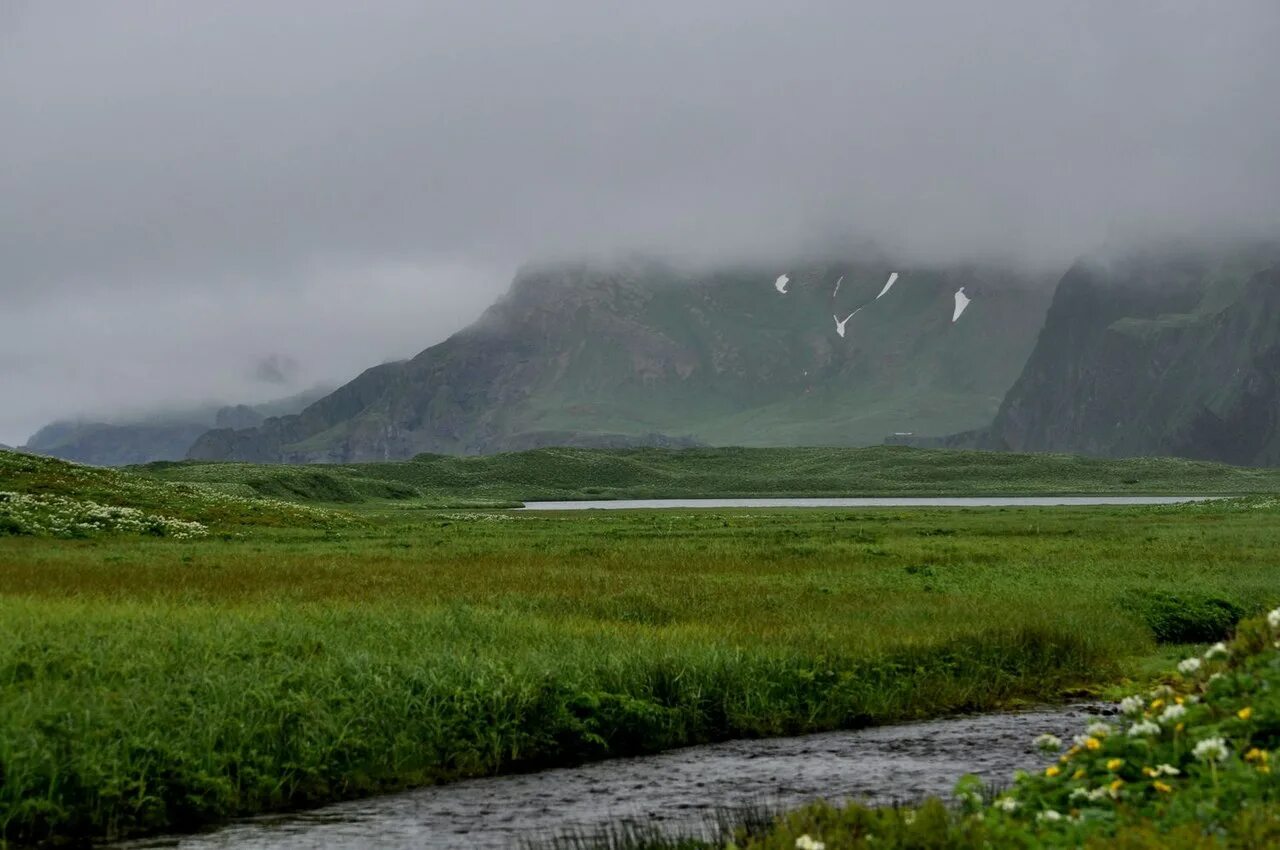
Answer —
640 353
164 435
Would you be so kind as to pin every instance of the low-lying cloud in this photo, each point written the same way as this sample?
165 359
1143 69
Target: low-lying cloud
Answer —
187 189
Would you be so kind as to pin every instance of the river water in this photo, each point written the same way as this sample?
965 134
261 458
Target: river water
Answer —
871 502
678 790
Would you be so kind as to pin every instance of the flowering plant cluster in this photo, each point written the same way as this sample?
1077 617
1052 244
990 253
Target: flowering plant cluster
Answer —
51 497
60 516
1198 748
1191 763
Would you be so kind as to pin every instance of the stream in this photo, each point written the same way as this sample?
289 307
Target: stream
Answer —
679 790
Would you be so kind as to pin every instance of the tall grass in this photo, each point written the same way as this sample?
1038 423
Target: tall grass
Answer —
152 685
121 718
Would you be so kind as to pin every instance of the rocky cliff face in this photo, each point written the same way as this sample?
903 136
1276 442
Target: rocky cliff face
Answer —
642 354
1156 355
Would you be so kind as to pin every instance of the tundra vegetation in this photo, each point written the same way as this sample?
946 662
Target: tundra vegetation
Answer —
301 650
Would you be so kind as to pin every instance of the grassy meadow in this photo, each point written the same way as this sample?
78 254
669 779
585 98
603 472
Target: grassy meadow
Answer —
568 473
291 654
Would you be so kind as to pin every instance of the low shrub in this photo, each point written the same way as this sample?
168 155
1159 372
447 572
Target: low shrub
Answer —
1183 617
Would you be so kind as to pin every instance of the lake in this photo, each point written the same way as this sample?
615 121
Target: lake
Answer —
869 502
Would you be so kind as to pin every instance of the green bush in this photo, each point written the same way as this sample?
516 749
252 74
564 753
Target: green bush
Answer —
1183 617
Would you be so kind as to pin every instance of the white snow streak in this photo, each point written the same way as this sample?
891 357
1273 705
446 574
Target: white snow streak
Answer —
837 289
840 325
962 301
892 277
781 283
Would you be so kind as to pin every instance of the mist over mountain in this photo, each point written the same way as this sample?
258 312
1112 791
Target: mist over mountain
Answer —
195 196
162 435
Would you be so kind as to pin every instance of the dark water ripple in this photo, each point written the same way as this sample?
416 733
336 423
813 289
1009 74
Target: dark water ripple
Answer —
680 789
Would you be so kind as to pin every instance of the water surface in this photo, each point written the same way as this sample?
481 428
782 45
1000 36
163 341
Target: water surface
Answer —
869 502
678 790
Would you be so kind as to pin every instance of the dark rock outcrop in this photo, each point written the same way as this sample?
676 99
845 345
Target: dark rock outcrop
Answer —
1157 355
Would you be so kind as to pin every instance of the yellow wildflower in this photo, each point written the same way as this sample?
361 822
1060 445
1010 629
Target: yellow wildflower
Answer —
1079 774
1115 764
1156 705
1162 787
1115 786
1255 754
1178 700
1245 713
1052 770
1092 743
1180 727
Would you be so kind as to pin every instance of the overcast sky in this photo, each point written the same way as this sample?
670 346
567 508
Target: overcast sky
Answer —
233 200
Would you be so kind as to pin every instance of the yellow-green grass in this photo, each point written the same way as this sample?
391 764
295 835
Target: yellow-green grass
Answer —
569 473
154 684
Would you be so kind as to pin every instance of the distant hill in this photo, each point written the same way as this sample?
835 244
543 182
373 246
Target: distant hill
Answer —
1163 353
573 473
161 436
640 354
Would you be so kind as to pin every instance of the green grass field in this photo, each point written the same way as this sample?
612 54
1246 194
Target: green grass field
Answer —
656 473
289 655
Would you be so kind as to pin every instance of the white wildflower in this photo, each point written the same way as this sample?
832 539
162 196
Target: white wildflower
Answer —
1144 728
1211 749
1007 804
1187 666
1048 743
1130 706
1049 815
1099 729
805 842
1273 618
1165 770
1172 713
1218 650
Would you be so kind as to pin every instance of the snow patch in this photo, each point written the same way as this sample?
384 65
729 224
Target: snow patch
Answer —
962 301
781 283
892 279
840 325
837 289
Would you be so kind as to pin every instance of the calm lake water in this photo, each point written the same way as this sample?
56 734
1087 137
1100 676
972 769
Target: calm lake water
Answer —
678 790
873 502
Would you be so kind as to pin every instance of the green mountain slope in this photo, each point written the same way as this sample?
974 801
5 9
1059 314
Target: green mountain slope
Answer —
639 353
1156 355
